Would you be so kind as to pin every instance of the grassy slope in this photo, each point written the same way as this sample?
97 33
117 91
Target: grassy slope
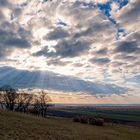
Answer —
15 126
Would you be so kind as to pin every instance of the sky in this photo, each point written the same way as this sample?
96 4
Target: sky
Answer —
79 51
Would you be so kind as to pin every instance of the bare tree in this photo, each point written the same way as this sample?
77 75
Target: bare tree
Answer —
42 103
9 96
1 101
23 101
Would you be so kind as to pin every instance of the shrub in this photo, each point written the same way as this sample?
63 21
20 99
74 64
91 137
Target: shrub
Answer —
89 120
76 119
32 111
99 122
96 121
83 119
92 120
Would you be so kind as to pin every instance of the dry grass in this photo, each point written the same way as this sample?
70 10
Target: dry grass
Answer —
16 126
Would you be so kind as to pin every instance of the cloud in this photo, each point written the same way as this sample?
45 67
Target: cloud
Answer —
71 48
52 81
135 79
91 40
42 52
128 17
9 40
125 57
100 61
58 33
65 48
127 47
17 42
4 3
102 51
12 34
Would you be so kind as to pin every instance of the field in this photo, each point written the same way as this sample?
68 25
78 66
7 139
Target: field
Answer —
18 126
129 115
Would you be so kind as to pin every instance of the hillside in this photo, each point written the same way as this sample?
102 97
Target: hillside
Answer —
16 126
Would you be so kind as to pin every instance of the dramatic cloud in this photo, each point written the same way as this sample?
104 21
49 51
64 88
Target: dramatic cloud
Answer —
12 34
86 41
51 81
127 47
58 33
71 48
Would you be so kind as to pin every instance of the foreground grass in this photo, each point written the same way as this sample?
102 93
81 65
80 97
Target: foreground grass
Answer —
16 126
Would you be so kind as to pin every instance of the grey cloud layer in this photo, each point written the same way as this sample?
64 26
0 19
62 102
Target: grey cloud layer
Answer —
52 81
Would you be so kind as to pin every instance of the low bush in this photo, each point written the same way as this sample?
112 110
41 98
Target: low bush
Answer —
92 120
76 119
84 119
32 111
96 121
89 120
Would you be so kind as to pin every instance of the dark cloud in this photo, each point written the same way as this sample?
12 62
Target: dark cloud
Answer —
10 40
48 80
127 47
71 48
4 34
100 61
17 42
102 51
16 12
4 3
42 52
1 53
12 35
58 33
65 48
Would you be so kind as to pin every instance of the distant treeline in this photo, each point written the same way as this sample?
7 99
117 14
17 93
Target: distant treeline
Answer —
14 100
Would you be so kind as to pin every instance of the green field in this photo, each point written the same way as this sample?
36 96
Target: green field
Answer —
113 114
16 126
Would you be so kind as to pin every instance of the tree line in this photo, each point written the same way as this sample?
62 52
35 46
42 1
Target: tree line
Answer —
21 101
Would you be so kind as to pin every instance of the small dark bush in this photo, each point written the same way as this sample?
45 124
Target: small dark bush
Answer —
76 119
89 120
99 122
96 121
92 120
83 119
32 111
